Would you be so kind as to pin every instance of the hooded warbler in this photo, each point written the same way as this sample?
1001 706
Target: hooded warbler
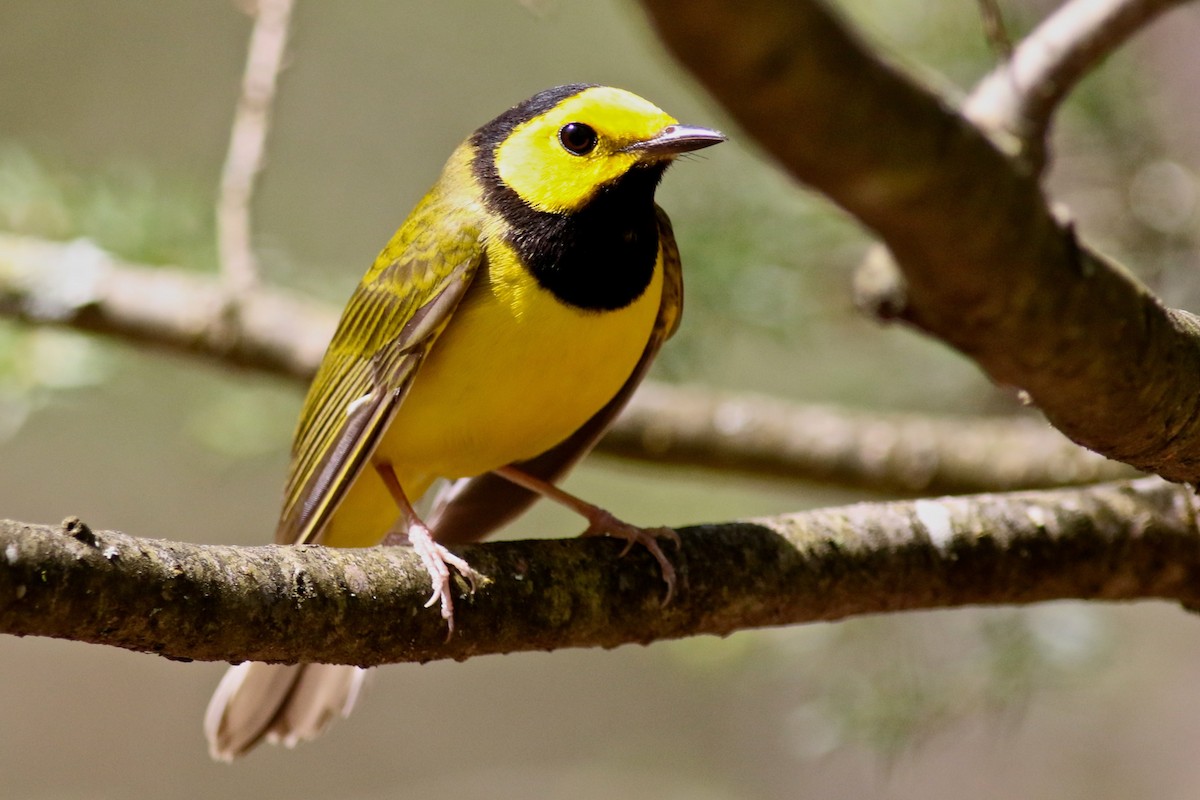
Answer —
491 343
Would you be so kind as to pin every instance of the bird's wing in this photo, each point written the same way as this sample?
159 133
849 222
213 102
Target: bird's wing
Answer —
392 318
469 509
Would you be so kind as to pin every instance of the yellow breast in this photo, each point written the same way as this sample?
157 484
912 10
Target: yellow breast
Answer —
515 372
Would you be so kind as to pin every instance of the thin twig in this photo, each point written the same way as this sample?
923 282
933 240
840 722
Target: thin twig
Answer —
994 28
247 145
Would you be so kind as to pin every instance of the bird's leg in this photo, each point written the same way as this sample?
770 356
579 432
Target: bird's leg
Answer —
602 523
436 559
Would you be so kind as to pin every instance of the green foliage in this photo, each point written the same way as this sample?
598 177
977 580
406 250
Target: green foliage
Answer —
125 209
131 213
35 364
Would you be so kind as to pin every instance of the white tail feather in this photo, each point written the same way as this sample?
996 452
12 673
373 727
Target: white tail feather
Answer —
282 703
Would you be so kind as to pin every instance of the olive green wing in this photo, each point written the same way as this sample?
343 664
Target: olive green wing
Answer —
390 322
469 509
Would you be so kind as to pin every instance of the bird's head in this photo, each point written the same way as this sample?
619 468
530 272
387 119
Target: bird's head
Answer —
561 146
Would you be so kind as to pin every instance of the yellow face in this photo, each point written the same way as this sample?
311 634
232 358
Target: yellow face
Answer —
557 160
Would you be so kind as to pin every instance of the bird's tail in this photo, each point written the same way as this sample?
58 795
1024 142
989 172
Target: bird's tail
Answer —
284 704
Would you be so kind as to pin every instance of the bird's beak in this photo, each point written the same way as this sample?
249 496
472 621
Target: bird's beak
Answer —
675 139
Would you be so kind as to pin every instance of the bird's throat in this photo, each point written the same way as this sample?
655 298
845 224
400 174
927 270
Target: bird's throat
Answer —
600 258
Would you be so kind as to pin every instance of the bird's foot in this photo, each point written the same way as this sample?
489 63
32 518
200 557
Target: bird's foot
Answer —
437 561
603 523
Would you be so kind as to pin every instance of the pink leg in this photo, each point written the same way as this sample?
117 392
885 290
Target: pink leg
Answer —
602 523
436 559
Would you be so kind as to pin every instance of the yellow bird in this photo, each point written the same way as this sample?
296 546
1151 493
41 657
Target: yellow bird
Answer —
491 343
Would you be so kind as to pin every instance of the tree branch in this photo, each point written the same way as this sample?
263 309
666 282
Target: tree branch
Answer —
994 28
79 286
905 453
1121 541
248 144
1019 97
989 268
1014 105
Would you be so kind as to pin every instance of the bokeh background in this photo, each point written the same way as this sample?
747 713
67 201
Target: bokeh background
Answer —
114 117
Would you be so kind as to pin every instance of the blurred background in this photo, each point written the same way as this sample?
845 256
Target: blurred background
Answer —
114 118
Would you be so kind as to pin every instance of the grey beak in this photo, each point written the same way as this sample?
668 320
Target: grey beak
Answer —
675 139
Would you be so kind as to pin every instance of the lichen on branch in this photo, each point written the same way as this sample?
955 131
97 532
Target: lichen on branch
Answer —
1121 541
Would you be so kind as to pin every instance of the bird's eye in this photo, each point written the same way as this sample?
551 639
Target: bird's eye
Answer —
577 138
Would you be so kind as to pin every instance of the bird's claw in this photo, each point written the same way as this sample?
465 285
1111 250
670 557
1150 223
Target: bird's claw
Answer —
602 523
437 560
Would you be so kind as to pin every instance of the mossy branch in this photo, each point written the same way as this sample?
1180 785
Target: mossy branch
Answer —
1122 541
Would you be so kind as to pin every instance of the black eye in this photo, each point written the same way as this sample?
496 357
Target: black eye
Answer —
577 138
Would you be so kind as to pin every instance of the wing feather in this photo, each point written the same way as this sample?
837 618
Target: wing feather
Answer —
390 322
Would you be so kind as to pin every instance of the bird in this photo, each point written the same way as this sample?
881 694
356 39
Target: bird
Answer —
491 343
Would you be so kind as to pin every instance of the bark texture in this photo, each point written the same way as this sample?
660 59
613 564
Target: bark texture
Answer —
1121 541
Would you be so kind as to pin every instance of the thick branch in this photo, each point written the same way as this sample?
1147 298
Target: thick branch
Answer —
79 286
1015 103
366 606
989 269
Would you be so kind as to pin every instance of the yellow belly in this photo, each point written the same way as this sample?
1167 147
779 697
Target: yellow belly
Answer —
513 374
